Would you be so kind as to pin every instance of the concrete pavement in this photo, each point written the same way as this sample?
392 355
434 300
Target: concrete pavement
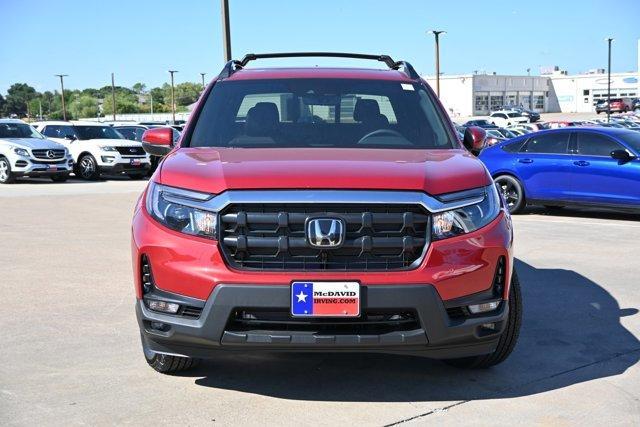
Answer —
71 352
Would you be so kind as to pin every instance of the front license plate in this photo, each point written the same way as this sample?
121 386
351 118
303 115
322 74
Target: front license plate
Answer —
53 167
135 162
325 299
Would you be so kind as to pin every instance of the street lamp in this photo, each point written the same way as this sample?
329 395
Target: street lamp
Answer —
64 110
226 31
173 98
609 40
113 96
203 74
437 33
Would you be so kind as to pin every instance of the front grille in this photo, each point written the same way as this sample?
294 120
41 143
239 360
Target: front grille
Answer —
279 320
48 154
130 151
54 162
272 237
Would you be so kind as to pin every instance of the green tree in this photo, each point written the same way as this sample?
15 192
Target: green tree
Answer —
18 95
126 103
84 106
2 105
139 88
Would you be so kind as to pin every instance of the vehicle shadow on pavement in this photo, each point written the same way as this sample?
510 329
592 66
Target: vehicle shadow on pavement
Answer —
571 334
594 213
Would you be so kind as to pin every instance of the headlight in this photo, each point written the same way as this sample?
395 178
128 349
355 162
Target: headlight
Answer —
107 148
171 207
468 218
21 151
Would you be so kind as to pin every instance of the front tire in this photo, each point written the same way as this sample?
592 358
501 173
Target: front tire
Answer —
508 339
6 176
512 191
87 168
166 364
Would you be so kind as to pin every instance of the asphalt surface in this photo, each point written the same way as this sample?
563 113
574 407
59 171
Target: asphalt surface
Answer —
71 353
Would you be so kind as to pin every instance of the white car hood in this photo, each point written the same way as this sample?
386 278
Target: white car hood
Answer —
112 142
32 143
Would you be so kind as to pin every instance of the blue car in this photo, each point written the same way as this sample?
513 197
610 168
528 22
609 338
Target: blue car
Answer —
568 166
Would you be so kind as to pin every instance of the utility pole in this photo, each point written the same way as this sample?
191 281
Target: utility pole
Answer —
173 98
113 96
40 109
151 100
64 110
437 33
203 74
609 40
226 30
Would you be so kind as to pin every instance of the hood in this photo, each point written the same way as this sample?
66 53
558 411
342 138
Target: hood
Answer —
214 170
113 142
33 143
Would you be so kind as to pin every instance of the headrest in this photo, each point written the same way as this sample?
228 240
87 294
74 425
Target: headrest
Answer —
365 109
262 119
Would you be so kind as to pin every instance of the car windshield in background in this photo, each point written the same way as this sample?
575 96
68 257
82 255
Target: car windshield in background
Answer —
97 132
632 139
337 113
514 114
18 130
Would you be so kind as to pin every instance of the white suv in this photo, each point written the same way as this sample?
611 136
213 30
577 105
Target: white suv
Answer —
98 149
24 152
506 118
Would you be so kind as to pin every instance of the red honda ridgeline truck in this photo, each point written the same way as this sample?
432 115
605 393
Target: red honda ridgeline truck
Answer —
322 209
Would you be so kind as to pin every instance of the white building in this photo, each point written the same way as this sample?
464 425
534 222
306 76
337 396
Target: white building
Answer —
553 91
579 93
477 94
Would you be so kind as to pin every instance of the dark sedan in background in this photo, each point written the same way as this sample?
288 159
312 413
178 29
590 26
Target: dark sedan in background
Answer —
569 166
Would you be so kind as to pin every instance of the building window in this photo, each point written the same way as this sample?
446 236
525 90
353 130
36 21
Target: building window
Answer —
538 102
585 92
482 103
497 101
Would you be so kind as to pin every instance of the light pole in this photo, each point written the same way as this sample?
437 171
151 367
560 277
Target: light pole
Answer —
437 33
64 110
203 74
113 96
173 99
226 31
609 40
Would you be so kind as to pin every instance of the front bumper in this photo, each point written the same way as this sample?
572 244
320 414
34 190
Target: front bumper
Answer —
24 166
435 334
125 167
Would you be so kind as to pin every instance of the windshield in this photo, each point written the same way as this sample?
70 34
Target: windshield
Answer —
338 113
632 139
96 132
18 130
514 114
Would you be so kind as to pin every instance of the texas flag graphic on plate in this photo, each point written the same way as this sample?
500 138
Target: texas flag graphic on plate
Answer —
328 299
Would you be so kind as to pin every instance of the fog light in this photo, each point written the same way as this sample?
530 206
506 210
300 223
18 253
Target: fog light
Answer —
163 306
108 159
491 326
484 307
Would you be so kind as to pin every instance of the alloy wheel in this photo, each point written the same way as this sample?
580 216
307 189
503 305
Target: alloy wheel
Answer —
87 168
510 193
4 170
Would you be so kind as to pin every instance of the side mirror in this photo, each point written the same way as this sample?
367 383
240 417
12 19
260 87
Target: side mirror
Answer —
474 139
70 137
158 141
621 155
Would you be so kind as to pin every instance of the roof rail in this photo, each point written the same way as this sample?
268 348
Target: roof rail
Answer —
234 65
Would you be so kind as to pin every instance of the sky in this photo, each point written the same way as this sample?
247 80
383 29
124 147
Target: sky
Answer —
140 40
